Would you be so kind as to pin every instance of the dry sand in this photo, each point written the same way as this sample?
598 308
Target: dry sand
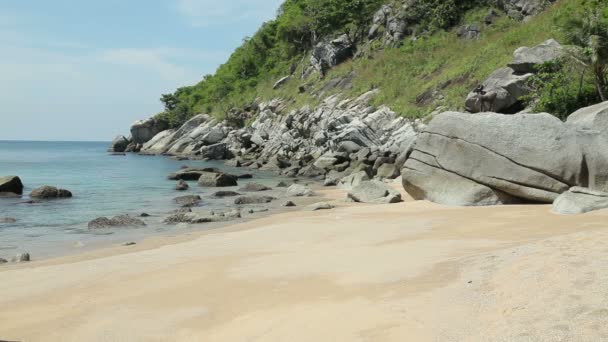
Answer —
413 271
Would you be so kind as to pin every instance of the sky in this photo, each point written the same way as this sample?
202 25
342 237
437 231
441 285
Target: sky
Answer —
85 70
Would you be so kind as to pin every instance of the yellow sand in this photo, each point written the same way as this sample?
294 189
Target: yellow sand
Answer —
407 272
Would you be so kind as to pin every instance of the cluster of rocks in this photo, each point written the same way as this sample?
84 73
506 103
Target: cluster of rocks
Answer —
505 87
116 221
22 257
141 132
11 186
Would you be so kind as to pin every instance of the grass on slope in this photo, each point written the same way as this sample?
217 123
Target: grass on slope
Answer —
440 61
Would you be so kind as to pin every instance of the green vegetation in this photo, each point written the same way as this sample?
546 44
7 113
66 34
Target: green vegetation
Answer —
437 61
579 79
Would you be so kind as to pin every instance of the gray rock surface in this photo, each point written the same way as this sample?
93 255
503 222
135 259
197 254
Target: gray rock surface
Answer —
579 200
255 187
23 257
509 88
190 173
327 55
528 59
144 130
7 220
297 190
11 184
490 158
217 179
181 185
374 192
319 206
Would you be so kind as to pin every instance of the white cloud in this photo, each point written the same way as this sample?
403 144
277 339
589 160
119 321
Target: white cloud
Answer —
211 12
152 59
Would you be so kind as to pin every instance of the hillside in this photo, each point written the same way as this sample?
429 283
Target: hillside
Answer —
445 50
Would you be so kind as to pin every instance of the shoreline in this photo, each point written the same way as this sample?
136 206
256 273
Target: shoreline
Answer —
396 271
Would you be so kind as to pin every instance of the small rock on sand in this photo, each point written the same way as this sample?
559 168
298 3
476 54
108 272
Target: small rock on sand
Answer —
320 206
23 257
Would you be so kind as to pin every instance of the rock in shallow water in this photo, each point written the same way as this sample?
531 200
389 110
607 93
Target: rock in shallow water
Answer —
188 201
23 257
255 187
253 200
7 220
116 221
181 185
215 179
50 192
11 184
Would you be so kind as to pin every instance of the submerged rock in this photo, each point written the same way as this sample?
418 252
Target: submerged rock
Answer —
7 220
23 257
188 201
222 194
50 192
181 185
255 187
116 221
253 200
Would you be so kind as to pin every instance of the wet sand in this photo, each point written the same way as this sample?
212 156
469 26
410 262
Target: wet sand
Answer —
413 271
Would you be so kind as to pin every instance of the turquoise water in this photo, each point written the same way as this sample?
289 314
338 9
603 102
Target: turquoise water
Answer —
102 185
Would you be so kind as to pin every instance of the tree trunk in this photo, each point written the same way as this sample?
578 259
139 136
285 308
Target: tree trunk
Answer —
600 82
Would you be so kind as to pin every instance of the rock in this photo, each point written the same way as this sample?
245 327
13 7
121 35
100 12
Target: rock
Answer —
182 210
233 163
188 201
289 204
23 257
374 192
254 187
126 244
325 162
214 179
245 176
327 55
181 185
144 130
3 261
320 206
119 144
527 60
297 190
214 152
353 180
281 82
508 87
388 171
253 200
282 184
590 118
198 218
118 154
50 192
488 158
214 136
191 174
469 32
222 194
7 220
144 215
522 9
116 221
349 147
11 185
579 200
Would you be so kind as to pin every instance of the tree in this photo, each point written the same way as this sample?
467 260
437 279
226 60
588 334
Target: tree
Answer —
589 31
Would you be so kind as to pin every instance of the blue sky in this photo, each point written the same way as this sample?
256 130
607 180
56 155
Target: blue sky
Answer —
86 69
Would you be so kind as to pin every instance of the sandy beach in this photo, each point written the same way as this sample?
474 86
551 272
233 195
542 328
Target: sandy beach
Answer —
413 271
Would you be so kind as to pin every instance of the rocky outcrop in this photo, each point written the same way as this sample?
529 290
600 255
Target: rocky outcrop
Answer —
510 84
579 200
50 192
10 185
374 192
327 55
489 158
119 144
144 130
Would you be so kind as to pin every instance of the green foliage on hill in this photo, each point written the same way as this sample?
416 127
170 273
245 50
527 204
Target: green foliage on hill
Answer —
407 75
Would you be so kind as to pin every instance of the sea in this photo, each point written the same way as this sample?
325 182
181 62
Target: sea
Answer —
102 185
